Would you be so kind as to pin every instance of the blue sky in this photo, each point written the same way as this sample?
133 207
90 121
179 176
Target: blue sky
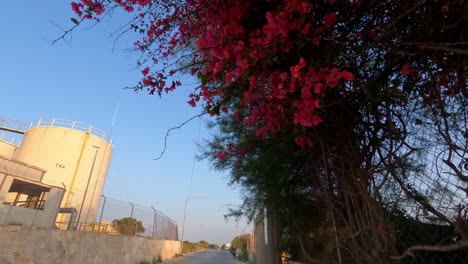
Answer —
83 82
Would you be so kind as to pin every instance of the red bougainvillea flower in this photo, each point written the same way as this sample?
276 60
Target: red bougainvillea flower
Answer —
406 69
99 8
372 35
192 103
76 7
145 71
300 141
144 2
347 76
222 155
276 92
329 19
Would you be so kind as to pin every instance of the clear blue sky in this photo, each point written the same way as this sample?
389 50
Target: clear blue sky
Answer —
84 83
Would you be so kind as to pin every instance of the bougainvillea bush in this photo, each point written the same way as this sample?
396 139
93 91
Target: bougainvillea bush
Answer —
279 59
362 85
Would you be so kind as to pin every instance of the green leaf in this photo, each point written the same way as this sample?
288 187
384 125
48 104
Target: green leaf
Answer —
216 109
74 20
204 78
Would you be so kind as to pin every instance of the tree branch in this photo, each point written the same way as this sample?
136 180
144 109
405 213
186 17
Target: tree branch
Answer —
65 32
177 127
442 248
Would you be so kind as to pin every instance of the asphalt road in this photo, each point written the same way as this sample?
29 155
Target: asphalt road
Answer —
209 256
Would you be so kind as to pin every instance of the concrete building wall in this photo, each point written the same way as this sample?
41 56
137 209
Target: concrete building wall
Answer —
41 218
74 158
11 170
55 246
5 183
18 168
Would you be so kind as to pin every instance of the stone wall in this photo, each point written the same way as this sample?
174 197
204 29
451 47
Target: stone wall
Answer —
22 245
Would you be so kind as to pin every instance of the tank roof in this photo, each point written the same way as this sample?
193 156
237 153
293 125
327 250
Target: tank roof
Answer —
56 122
21 127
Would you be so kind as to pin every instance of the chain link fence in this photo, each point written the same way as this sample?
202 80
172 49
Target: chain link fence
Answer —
98 213
427 211
399 196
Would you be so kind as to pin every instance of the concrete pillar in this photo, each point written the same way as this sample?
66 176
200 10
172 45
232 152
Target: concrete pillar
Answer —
260 247
274 256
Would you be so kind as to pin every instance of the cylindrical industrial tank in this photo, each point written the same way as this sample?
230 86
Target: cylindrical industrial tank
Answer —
76 156
7 146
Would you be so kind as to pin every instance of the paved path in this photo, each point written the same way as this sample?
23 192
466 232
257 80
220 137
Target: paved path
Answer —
209 256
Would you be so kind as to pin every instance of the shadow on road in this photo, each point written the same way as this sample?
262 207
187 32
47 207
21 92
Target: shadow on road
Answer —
210 256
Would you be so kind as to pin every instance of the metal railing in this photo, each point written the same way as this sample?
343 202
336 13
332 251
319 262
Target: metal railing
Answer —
32 204
56 122
21 127
90 227
14 125
7 138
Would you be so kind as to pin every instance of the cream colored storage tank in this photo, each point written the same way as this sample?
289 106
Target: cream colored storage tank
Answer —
7 146
75 155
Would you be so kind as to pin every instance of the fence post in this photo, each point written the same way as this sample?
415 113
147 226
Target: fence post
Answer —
162 227
102 212
154 222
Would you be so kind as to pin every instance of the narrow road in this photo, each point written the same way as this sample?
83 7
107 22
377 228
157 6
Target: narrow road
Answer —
209 256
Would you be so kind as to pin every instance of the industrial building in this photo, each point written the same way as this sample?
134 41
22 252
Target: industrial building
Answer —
66 155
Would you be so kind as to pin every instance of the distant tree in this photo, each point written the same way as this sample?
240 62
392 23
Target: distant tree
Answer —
128 226
203 244
213 246
240 243
195 246
223 246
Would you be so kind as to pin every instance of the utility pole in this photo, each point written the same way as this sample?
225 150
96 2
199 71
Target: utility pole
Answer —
87 185
185 214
